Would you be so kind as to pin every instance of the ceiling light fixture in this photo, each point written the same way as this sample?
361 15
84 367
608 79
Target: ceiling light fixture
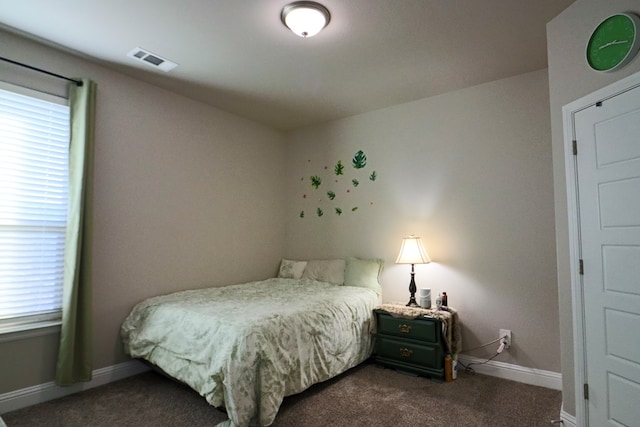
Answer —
305 18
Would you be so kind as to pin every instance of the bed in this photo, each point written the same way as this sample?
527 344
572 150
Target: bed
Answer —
245 347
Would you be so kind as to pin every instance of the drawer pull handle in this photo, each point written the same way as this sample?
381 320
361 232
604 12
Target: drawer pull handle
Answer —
405 352
405 329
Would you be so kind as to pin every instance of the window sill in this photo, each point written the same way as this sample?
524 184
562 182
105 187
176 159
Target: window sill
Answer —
30 330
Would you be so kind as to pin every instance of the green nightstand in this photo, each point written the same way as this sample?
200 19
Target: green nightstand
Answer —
411 345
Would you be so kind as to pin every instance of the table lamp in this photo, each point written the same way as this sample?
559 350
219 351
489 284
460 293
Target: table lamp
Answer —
412 252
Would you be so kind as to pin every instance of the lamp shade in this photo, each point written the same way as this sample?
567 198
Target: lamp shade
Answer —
305 18
412 252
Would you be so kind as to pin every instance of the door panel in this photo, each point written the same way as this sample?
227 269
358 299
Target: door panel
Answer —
627 349
626 395
619 205
615 141
617 259
608 170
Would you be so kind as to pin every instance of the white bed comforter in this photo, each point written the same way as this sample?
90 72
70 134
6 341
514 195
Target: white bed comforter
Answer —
245 347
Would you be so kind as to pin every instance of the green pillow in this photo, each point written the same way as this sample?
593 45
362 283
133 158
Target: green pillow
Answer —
364 273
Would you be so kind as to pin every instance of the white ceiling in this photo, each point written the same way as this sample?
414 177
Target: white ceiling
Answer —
237 55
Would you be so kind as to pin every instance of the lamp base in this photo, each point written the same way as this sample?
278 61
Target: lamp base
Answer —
412 290
412 302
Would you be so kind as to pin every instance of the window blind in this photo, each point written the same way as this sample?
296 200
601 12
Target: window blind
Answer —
34 140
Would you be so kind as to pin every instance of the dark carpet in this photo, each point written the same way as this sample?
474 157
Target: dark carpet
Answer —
363 396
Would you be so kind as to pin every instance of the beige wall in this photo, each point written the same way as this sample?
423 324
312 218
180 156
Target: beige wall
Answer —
570 79
468 171
185 196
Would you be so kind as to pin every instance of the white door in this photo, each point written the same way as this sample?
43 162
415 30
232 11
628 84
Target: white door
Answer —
608 176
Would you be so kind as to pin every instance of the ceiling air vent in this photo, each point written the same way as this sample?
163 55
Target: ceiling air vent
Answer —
152 59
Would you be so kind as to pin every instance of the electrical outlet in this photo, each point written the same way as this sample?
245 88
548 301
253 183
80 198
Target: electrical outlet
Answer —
506 334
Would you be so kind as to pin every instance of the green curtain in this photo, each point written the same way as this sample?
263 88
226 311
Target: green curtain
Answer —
75 352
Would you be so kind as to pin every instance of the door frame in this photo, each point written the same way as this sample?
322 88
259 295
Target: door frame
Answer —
571 177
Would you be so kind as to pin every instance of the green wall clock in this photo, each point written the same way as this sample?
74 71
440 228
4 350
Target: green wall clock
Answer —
614 42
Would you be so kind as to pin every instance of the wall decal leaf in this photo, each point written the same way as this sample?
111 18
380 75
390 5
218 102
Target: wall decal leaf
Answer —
339 168
359 160
315 181
319 212
354 209
301 214
373 176
331 195
355 182
338 211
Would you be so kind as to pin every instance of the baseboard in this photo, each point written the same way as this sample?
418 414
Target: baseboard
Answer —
512 372
568 420
33 395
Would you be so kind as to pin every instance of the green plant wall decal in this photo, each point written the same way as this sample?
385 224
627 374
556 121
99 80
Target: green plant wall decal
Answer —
359 160
341 186
316 181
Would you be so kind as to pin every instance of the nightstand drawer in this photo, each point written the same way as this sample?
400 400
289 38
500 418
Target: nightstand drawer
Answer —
426 356
422 330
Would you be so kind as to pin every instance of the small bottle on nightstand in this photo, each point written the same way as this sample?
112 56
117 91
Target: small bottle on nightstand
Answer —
444 299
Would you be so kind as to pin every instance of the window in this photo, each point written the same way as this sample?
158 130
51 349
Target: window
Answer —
34 141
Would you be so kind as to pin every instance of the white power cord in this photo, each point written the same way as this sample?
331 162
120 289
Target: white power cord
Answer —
503 344
501 347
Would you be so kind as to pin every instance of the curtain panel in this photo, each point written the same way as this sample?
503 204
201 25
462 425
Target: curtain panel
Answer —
75 352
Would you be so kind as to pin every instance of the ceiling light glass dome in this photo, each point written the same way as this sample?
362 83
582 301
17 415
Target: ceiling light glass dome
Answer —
305 18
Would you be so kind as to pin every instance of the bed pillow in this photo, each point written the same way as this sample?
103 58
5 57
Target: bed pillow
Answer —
364 273
330 270
290 269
